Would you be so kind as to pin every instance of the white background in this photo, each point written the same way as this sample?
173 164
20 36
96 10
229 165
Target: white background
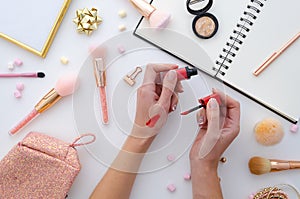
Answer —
236 180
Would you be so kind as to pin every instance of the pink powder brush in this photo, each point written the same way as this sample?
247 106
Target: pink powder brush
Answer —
36 74
65 86
157 18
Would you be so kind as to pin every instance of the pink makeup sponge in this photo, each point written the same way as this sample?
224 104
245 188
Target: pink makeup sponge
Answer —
268 132
66 84
159 19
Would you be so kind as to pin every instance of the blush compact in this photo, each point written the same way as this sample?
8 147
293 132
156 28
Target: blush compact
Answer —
205 25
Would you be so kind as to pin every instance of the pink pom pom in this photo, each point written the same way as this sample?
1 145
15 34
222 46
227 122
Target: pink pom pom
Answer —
20 86
17 94
18 62
171 157
171 187
294 128
187 176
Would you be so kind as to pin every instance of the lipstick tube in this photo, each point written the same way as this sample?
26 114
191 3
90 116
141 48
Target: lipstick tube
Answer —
186 72
100 76
182 74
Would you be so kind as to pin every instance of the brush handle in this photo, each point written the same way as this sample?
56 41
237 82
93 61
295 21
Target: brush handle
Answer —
19 75
34 113
294 164
278 165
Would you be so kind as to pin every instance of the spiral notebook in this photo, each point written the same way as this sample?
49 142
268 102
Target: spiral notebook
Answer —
249 32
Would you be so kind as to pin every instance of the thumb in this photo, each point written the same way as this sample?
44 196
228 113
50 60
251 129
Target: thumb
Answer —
213 134
169 84
213 115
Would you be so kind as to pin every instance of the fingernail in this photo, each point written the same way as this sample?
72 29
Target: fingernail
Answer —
213 103
180 90
214 90
174 107
200 120
171 75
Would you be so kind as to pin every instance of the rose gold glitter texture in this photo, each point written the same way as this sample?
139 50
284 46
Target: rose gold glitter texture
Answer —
39 166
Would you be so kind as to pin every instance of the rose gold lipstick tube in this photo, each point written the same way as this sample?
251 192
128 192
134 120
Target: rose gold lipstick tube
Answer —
143 7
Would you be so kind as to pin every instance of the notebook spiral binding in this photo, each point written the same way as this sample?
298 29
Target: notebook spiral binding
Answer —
238 36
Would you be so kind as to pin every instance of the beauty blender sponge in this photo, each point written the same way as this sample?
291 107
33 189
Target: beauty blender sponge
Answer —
268 132
66 84
159 19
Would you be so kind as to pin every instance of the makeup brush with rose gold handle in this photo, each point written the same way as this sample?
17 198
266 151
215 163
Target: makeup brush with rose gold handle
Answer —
260 165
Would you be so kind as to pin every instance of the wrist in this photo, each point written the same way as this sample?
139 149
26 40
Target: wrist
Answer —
205 181
136 144
200 167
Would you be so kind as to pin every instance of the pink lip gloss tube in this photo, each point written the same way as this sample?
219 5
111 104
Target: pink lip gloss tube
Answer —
100 76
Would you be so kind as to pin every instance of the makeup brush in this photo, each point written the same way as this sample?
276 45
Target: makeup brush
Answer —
157 18
260 165
65 86
37 74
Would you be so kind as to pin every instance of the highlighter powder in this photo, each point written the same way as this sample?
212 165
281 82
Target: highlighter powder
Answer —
205 26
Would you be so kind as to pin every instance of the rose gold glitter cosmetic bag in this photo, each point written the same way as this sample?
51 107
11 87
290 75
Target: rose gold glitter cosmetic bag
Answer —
40 166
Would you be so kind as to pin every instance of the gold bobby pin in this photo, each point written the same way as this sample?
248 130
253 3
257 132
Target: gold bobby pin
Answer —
130 79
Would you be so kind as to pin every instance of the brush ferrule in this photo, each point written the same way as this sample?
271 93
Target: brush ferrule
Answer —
99 72
143 7
275 165
47 101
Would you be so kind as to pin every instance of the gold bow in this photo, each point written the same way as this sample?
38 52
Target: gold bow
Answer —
87 20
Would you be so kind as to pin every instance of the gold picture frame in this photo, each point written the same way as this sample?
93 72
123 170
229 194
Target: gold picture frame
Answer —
49 38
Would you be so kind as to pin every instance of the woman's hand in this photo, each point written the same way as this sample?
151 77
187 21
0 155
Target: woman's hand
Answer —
156 99
220 124
151 99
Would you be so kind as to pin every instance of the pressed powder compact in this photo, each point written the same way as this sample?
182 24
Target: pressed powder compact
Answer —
205 25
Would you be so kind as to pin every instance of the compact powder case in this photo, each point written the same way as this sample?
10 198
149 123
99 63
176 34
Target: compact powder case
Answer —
205 25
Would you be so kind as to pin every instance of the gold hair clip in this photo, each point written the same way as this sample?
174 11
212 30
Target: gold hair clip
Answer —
130 79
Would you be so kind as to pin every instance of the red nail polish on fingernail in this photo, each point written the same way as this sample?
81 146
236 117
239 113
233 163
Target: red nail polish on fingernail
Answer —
151 123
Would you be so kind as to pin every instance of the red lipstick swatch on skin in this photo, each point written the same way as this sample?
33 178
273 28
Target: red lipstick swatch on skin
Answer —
151 123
